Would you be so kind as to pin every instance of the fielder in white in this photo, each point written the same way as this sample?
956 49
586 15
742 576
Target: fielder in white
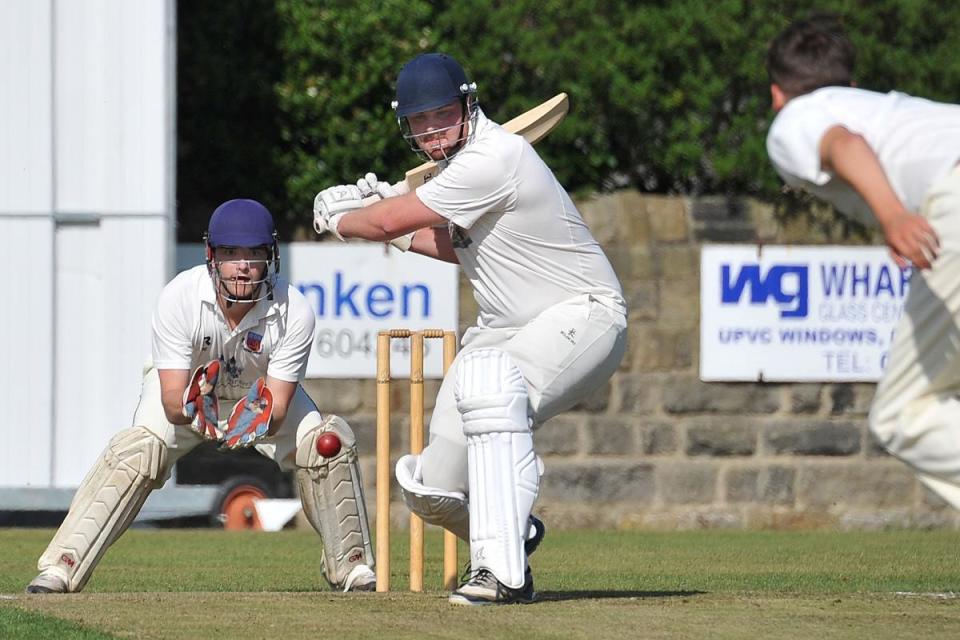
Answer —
245 335
890 159
551 328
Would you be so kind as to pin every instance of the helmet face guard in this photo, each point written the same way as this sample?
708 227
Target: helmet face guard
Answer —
242 224
244 290
467 125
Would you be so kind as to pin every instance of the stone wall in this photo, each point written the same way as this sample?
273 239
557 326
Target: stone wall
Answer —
656 448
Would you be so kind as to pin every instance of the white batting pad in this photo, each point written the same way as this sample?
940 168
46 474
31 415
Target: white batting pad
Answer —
491 394
504 472
447 509
108 500
331 491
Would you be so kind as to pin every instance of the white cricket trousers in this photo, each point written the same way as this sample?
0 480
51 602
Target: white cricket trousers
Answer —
916 410
565 353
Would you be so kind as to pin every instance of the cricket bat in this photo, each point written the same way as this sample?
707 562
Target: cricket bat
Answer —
532 125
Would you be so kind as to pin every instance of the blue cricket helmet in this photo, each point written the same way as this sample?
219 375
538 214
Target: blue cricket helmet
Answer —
241 223
246 224
429 81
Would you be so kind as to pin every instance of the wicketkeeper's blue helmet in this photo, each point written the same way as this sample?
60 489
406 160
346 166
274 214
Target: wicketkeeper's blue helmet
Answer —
247 224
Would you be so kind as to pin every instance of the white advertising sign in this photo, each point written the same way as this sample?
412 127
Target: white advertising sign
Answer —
357 290
797 313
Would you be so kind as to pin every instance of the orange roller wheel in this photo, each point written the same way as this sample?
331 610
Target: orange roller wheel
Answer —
236 508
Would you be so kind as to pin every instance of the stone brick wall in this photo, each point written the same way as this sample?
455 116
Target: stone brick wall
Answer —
656 448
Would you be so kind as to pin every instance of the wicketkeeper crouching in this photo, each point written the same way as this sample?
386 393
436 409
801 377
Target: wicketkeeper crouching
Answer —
230 347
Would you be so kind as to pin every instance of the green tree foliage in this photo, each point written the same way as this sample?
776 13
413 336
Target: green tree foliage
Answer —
285 97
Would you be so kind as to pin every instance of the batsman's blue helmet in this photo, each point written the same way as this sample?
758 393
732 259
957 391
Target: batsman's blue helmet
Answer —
241 223
429 81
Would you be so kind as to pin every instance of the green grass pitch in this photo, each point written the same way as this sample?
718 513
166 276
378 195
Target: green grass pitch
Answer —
706 584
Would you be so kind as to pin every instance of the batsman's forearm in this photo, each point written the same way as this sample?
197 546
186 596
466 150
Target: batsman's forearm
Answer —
368 223
434 243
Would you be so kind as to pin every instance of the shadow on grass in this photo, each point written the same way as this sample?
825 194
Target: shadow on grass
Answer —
559 596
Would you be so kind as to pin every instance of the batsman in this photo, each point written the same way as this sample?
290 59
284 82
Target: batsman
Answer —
551 326
230 348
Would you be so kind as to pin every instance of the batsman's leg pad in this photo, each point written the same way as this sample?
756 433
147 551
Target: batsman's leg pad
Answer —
504 472
447 509
132 465
331 490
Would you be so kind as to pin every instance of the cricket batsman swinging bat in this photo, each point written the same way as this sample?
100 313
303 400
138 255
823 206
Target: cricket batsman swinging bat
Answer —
532 125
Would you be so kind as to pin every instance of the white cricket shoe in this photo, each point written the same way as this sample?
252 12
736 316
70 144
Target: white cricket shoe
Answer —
360 578
483 588
48 582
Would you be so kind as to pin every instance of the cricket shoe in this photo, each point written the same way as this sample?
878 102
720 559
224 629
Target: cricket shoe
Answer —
47 582
483 588
360 578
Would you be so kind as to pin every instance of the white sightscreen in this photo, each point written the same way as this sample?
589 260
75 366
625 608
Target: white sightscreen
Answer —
86 209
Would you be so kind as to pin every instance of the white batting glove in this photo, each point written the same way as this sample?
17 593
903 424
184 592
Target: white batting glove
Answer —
369 185
332 204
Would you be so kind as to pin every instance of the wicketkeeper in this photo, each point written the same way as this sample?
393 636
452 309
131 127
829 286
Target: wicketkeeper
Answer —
230 347
552 323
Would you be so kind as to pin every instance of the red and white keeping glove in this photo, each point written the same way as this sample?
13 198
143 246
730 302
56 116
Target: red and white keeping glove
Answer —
200 401
250 419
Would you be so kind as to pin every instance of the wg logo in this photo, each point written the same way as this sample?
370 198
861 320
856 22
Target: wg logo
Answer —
787 284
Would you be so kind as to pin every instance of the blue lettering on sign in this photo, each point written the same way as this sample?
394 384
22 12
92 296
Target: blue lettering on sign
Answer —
861 280
342 298
785 283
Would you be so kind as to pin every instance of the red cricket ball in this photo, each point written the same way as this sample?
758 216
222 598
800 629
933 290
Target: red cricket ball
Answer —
328 444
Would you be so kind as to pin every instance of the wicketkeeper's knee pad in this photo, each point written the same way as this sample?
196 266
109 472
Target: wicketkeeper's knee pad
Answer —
331 490
107 501
447 509
504 472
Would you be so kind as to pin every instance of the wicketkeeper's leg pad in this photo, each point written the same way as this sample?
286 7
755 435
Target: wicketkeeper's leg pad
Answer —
331 490
504 472
447 509
109 498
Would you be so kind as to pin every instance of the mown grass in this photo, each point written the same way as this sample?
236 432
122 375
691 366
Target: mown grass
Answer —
715 584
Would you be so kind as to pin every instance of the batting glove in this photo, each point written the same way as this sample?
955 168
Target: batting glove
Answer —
369 187
250 419
200 401
332 204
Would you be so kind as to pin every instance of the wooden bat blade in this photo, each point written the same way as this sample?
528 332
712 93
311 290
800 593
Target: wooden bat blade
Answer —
532 125
541 120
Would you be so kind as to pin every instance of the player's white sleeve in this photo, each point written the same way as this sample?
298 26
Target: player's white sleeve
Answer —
172 326
793 142
475 182
288 362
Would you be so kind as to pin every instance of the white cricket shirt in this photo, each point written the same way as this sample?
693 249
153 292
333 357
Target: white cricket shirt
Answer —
916 140
518 236
274 338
